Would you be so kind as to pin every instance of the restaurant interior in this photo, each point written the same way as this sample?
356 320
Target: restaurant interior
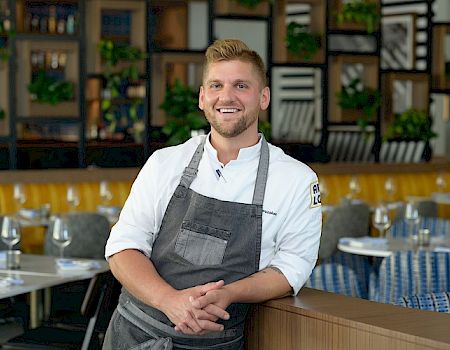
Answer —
360 92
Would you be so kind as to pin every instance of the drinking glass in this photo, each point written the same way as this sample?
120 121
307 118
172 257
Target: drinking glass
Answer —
72 197
19 195
10 232
354 186
441 184
412 217
61 235
381 220
390 188
105 192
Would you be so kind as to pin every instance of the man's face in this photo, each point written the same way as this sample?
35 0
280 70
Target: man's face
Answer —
232 96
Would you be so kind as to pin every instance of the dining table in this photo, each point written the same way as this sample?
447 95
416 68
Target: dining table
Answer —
40 272
382 246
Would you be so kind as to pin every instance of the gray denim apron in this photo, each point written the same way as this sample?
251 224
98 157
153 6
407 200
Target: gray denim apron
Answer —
201 240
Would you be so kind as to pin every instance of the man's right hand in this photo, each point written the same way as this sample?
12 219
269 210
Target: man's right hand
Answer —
187 319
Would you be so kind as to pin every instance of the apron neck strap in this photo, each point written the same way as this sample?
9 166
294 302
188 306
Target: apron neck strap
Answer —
190 172
261 176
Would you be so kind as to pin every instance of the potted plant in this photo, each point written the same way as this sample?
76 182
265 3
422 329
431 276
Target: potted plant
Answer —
358 97
364 12
181 106
249 3
45 89
116 85
2 114
411 125
300 42
412 129
4 54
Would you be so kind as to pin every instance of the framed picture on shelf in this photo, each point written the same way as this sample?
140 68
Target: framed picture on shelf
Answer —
399 41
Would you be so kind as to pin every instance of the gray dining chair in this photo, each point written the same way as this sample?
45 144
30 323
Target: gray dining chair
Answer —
346 220
90 232
425 208
99 302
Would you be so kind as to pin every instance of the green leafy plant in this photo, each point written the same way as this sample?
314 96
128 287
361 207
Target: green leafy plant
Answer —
300 42
112 55
265 127
356 96
411 125
181 106
447 69
4 54
249 3
45 89
362 12
2 114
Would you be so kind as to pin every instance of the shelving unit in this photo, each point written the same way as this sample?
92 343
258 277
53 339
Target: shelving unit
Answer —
305 117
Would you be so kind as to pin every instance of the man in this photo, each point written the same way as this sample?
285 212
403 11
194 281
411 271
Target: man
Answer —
211 225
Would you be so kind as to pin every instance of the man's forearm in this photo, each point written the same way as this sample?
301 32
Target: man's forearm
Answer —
138 275
266 284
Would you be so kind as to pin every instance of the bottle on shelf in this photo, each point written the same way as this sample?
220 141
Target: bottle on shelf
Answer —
52 19
61 27
70 24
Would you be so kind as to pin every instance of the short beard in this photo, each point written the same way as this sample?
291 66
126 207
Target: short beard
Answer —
241 125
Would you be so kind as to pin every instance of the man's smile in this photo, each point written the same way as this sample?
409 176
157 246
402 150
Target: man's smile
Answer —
228 110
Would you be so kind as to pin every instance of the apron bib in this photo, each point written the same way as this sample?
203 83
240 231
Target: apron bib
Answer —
201 239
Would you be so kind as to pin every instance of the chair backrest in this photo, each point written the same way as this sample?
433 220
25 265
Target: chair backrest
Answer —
342 273
99 302
439 301
346 220
90 232
425 207
409 273
335 278
437 227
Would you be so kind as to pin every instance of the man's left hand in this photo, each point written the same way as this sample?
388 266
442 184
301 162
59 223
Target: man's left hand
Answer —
206 305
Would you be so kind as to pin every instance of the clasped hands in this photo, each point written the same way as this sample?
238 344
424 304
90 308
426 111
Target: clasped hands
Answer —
195 310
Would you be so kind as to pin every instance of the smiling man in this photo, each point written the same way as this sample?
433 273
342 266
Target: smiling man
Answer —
214 224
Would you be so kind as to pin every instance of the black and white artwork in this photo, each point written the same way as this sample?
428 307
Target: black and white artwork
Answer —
398 41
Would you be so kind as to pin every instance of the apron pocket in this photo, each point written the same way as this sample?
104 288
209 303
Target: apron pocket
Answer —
201 248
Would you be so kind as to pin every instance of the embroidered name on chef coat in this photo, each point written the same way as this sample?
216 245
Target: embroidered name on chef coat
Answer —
315 195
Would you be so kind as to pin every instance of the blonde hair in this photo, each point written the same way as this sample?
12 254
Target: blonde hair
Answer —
234 49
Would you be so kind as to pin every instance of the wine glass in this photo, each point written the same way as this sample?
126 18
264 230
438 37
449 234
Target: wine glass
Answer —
105 192
411 216
390 188
441 184
381 220
354 186
19 195
72 197
61 235
10 232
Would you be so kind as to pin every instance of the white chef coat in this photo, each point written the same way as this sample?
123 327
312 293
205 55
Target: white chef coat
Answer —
292 217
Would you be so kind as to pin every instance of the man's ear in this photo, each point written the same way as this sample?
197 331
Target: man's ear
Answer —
201 97
264 98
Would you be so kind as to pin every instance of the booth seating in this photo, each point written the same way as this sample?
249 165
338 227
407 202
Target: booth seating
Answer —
49 186
413 181
44 187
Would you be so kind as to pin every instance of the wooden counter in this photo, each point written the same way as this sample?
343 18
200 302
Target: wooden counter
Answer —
320 320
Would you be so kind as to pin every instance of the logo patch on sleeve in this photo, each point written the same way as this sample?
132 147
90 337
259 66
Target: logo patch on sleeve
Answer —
315 195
